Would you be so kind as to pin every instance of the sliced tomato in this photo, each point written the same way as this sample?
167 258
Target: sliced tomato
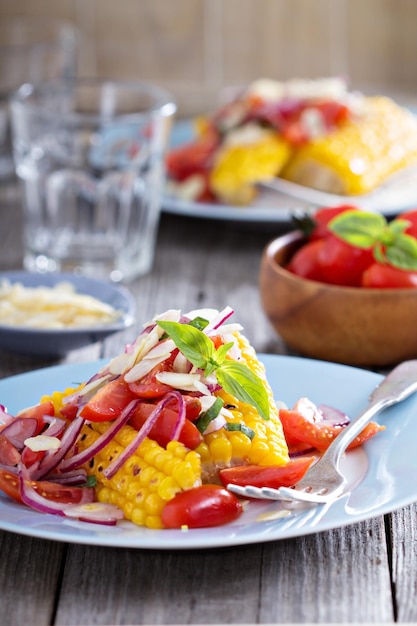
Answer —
192 158
29 457
38 412
270 476
9 454
149 386
320 435
305 261
162 430
109 402
410 216
201 507
385 277
69 411
9 484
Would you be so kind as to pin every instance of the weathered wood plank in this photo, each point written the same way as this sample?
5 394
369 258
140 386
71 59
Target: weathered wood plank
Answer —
403 527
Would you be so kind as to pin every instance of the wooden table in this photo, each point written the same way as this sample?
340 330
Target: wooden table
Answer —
366 572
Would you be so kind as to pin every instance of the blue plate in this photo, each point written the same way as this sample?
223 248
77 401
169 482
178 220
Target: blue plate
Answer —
42 342
379 474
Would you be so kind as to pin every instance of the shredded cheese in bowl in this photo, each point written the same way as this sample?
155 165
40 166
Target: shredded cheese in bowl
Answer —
60 306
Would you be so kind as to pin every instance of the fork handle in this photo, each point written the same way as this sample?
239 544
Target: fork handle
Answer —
400 383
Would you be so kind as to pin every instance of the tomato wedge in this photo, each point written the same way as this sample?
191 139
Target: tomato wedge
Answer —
9 484
319 435
162 430
38 412
201 507
267 476
149 386
109 402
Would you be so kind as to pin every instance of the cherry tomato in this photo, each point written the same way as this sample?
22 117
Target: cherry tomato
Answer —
319 435
162 430
148 386
9 484
322 217
268 476
333 112
69 411
305 261
385 277
29 457
9 454
38 412
343 264
109 401
201 507
410 216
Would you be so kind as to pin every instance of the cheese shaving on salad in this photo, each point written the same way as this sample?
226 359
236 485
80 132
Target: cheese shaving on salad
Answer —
52 307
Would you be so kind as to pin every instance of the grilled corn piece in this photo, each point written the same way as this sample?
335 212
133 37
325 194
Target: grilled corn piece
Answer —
229 447
147 480
255 155
361 154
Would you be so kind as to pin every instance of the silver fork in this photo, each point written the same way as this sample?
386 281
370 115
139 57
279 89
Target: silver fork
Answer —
323 482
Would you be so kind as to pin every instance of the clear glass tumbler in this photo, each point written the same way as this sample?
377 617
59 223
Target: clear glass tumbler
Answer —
90 155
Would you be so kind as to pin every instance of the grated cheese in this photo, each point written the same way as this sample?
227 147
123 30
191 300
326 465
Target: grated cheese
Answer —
52 307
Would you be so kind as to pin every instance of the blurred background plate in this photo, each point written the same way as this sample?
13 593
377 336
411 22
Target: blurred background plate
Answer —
43 342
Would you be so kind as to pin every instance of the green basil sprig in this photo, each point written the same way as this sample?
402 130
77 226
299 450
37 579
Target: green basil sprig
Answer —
389 242
235 378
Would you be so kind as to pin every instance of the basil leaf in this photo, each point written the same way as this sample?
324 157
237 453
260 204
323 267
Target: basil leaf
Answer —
238 380
199 322
403 253
208 416
231 426
193 343
359 229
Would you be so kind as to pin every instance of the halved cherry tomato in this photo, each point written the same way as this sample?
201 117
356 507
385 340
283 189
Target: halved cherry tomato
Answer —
109 401
343 264
192 407
9 484
29 457
162 430
148 386
38 412
320 435
267 476
9 454
305 261
201 507
69 411
385 277
191 158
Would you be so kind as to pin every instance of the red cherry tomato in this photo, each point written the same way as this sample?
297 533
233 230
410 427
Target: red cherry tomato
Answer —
305 261
385 277
9 454
410 216
9 484
109 402
201 507
319 435
162 430
322 217
269 476
343 264
149 386
38 412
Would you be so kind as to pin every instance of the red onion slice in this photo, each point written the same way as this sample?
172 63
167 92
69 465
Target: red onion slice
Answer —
76 460
115 465
19 429
50 461
96 513
332 416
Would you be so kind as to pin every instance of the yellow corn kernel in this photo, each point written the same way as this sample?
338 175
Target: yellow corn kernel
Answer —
147 480
224 447
361 154
238 168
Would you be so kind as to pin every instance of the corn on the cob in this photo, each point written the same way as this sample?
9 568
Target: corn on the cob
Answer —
238 168
148 479
224 448
361 154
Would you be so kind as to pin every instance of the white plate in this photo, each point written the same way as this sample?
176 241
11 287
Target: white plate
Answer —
379 473
278 199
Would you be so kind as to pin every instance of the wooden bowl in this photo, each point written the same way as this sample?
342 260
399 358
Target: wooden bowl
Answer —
351 325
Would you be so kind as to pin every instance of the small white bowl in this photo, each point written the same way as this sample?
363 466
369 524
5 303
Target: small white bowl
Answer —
43 342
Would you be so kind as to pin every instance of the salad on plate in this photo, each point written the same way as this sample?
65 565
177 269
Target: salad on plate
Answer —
160 431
